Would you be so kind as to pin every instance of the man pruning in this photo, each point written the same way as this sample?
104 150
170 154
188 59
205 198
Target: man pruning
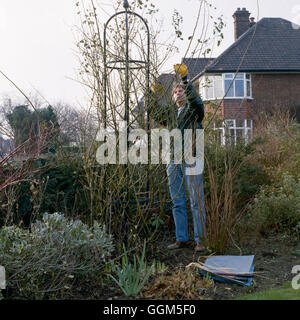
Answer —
187 112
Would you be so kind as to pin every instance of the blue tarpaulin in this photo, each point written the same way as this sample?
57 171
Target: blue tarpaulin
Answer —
231 269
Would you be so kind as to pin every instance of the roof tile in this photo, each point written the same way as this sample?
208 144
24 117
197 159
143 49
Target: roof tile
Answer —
270 45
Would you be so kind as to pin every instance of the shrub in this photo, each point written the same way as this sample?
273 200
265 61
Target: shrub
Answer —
277 207
54 186
230 181
278 151
52 255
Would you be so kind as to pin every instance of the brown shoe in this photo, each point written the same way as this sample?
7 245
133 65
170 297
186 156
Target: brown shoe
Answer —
178 245
199 247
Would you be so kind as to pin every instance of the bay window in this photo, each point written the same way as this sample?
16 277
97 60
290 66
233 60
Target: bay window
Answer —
213 87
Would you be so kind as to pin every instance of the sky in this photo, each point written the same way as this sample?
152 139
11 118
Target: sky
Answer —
38 37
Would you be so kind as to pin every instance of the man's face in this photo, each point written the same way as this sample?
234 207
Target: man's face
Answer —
179 95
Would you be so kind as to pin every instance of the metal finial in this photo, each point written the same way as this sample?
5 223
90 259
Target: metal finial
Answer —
125 4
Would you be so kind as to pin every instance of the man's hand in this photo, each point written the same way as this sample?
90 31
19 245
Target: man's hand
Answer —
182 71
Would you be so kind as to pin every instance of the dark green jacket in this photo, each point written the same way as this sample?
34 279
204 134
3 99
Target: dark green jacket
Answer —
189 118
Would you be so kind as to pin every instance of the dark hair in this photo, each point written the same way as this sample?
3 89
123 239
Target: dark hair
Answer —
175 86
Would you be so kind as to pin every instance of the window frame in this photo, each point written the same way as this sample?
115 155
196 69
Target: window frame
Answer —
203 88
234 78
229 129
247 81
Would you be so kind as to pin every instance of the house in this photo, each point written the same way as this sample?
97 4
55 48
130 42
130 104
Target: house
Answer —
259 71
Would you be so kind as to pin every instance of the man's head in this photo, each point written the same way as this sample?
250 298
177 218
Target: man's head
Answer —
179 95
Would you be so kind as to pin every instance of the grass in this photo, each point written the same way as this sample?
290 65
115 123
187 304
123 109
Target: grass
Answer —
286 292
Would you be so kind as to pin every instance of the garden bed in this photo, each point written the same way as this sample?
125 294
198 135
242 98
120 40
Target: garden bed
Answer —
273 261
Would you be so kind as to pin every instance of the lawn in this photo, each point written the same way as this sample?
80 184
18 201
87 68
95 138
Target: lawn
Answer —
286 292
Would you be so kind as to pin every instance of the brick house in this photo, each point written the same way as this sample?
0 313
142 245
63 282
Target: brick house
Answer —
259 71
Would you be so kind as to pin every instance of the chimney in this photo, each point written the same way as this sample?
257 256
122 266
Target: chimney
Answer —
241 22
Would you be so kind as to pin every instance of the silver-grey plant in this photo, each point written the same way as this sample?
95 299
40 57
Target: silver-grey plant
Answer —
53 255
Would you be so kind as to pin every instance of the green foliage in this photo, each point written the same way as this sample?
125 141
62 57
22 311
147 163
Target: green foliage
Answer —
55 186
156 220
159 268
248 182
131 278
248 178
52 255
20 121
26 123
277 207
286 292
63 190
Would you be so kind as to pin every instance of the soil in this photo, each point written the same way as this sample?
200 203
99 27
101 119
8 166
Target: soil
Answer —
273 263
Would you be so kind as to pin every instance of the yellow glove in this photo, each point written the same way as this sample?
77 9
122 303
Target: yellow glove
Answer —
157 88
182 70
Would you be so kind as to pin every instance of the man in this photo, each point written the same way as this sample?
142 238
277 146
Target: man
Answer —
186 113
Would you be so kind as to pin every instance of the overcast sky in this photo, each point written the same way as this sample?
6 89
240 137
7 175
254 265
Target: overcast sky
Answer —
37 39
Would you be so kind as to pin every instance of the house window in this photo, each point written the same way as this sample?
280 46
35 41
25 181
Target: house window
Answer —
248 85
235 130
213 87
237 85
227 85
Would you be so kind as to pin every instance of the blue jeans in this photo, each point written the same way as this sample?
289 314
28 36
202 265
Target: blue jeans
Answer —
178 182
